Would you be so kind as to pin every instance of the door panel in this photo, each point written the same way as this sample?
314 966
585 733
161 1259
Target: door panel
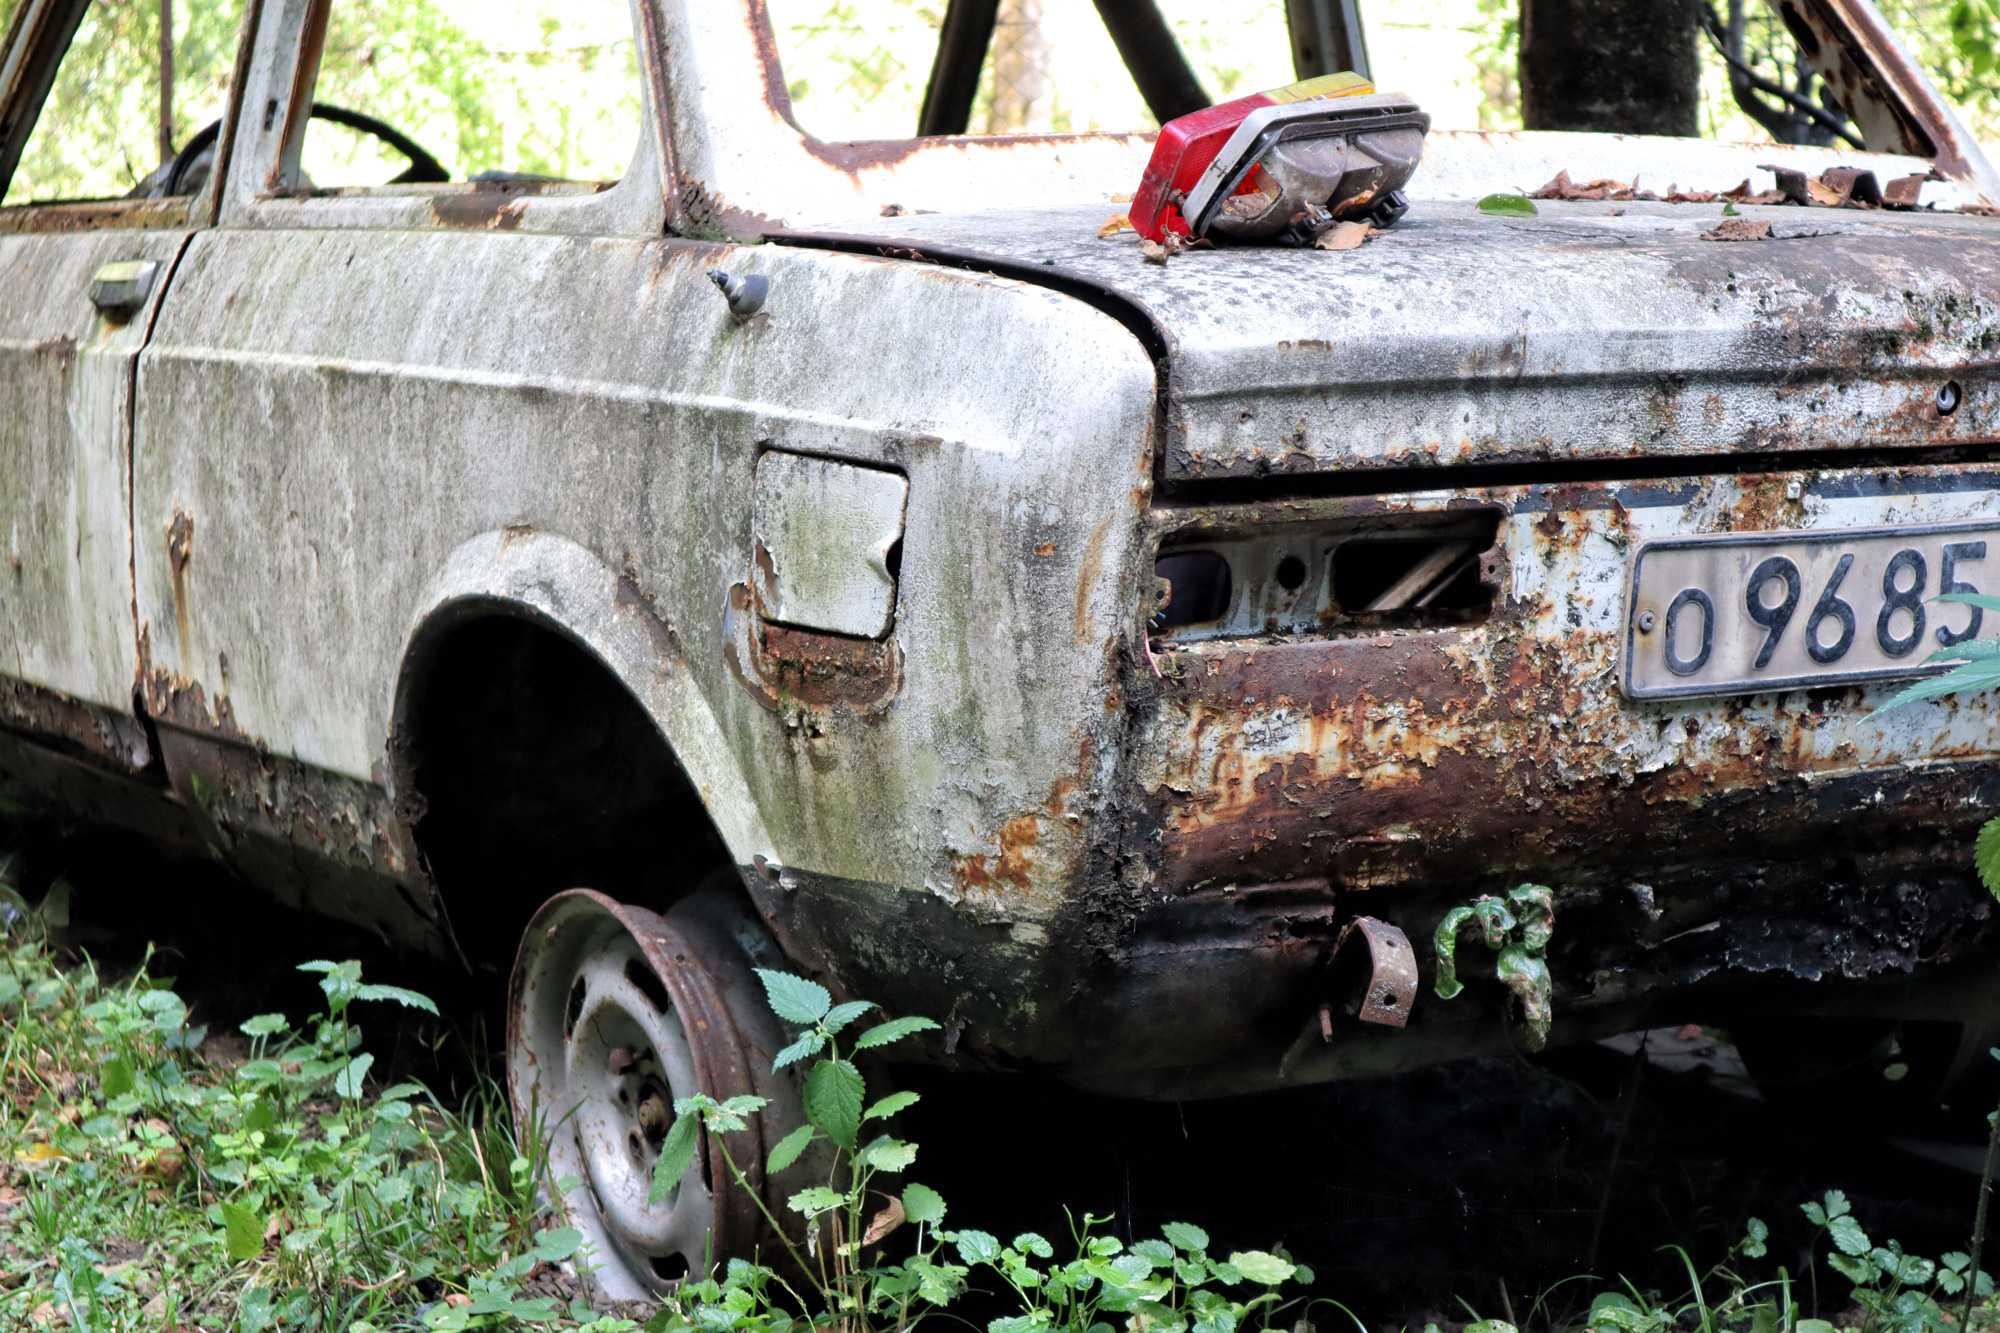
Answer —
65 412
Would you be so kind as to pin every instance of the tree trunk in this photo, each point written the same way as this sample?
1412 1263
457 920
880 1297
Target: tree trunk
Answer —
1020 99
1620 66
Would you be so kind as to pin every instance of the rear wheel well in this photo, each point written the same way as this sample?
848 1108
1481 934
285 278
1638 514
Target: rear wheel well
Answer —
527 767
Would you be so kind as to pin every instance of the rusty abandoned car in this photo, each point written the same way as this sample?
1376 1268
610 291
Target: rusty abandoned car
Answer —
839 556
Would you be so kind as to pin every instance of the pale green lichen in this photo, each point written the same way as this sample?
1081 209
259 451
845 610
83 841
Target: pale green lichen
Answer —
1518 928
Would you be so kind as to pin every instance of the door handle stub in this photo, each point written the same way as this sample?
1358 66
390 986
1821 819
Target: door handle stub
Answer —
120 289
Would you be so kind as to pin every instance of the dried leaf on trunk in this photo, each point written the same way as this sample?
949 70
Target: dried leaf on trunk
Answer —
1562 187
1739 229
1346 236
884 1222
1172 245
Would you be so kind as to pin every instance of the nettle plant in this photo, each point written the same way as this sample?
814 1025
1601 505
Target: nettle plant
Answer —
1978 669
1170 1285
1894 1291
1900 1292
281 1190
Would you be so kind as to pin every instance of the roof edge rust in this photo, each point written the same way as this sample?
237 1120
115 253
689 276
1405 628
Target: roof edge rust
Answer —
742 165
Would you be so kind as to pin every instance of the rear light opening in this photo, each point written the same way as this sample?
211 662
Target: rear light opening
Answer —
1414 570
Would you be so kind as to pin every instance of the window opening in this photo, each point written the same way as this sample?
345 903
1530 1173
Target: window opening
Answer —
125 104
486 90
858 69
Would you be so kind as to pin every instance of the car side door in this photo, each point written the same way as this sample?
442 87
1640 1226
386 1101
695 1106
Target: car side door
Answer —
89 236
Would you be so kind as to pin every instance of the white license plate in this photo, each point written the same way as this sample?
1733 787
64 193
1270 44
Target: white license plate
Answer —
1741 613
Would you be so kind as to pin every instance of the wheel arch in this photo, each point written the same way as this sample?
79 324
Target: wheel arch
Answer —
523 636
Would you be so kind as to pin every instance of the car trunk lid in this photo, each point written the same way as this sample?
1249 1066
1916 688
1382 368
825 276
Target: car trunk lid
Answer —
1587 337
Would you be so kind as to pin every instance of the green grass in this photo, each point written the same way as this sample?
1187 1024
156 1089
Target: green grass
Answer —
154 1176
157 1179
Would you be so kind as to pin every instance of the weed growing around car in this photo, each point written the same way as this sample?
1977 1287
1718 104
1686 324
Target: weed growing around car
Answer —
153 1182
152 1186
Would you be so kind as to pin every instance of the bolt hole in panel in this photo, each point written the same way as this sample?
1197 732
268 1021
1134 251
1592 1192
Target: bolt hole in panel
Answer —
1417 571
827 544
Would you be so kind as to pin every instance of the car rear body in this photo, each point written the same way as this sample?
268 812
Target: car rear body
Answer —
986 773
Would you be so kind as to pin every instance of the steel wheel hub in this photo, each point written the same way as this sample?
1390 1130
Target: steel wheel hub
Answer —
603 1000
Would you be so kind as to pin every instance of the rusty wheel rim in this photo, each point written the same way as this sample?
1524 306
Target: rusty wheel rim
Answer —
611 1018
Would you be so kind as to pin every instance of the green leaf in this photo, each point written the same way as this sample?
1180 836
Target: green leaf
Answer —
1729 210
1848 1235
1972 676
242 1231
1185 1236
263 1025
1837 1204
1445 944
1986 856
810 1042
1972 650
890 1155
1855 1270
116 1077
894 1030
1910 1270
557 1244
1258 1266
1508 205
167 1011
348 1082
1020 1323
976 1247
1985 601
1755 1233
676 1155
921 1203
890 1105
795 999
832 1098
1155 1252
409 999
789 1149
841 1015
816 1200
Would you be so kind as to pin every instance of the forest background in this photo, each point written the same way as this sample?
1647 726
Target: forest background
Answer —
550 87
